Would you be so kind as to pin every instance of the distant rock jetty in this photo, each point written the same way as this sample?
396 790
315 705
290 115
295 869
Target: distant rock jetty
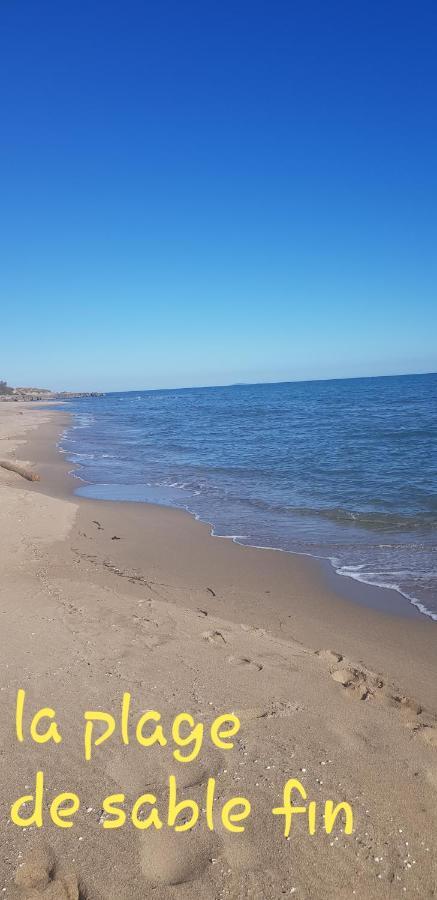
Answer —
14 395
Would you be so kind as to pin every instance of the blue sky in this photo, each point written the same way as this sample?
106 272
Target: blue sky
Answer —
198 193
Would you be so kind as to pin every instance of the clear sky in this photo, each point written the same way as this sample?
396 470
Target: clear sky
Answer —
202 193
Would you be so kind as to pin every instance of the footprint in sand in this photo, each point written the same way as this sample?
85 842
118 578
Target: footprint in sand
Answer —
330 656
214 637
426 731
245 662
358 682
354 681
405 704
249 850
41 876
169 857
362 684
429 735
138 772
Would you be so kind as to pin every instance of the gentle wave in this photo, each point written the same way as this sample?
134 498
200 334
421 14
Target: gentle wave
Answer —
376 520
368 578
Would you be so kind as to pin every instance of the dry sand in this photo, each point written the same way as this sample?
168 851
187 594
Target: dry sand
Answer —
98 599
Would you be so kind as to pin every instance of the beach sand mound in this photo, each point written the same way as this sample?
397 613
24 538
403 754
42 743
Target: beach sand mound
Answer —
41 876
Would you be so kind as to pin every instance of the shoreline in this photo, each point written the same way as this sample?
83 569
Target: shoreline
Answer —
97 599
379 598
353 608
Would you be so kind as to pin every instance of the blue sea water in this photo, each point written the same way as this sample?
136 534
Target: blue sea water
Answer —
343 469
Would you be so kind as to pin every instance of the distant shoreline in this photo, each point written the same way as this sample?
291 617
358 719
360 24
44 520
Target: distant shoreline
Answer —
32 396
29 394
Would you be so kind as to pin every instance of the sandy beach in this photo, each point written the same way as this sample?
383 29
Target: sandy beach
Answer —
99 599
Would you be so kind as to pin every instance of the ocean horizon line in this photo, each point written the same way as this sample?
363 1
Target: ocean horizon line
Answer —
242 384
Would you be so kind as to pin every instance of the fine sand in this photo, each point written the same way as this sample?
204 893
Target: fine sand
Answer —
98 599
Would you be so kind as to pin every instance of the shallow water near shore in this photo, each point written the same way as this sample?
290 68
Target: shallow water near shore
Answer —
343 470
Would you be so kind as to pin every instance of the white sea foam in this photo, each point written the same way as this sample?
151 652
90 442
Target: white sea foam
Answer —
386 585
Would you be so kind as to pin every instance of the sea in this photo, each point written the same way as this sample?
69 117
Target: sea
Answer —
343 470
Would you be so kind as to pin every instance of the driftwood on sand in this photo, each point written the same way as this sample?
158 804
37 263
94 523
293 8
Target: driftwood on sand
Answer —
20 470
